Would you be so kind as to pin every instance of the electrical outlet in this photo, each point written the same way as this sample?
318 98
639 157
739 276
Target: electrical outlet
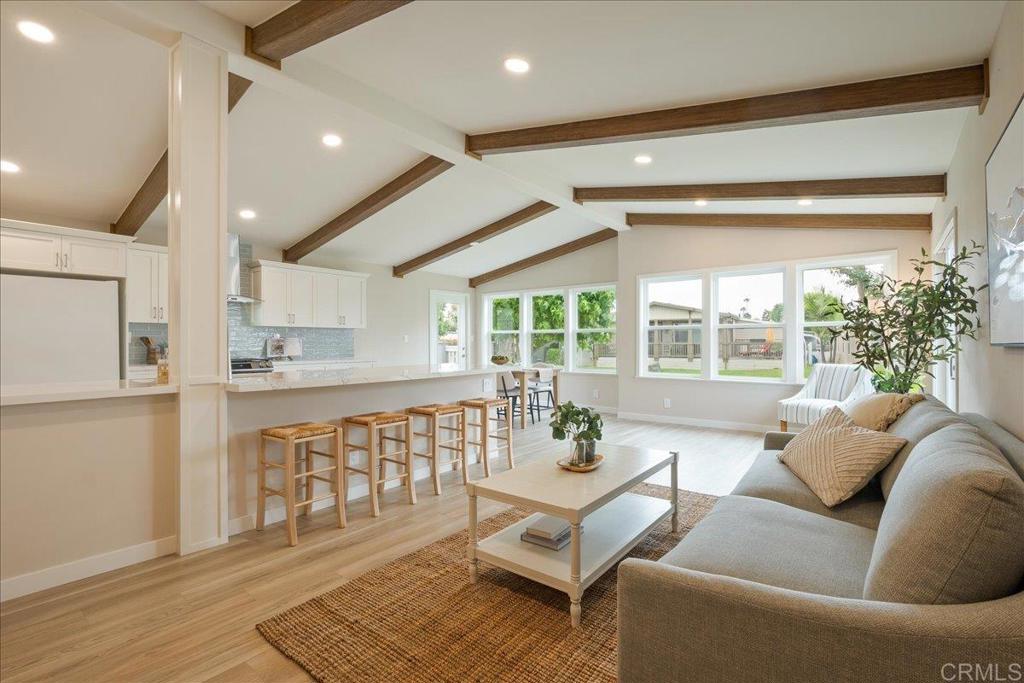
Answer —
405 338
596 393
488 384
667 402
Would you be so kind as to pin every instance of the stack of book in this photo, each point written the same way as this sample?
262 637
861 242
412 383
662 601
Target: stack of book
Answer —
548 532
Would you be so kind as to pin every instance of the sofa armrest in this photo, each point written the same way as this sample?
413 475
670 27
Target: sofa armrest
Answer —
682 625
776 441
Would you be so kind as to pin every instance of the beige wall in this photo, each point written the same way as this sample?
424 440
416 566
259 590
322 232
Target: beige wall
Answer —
396 308
84 478
991 377
648 250
593 265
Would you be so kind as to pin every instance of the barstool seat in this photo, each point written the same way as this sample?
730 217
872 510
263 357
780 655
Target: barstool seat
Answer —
436 409
484 402
378 418
299 430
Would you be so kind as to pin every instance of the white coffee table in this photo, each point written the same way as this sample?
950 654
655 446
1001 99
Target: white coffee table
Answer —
615 520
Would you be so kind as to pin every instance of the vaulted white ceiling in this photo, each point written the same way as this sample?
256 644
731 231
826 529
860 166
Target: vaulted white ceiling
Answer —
86 116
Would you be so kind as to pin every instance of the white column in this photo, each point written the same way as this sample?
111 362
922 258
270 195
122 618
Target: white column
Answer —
196 234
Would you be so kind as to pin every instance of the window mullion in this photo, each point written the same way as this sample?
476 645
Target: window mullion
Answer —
709 327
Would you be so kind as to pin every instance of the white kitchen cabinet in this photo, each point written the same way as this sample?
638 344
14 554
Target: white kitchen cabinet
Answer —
146 296
303 296
352 308
300 298
27 250
55 249
270 286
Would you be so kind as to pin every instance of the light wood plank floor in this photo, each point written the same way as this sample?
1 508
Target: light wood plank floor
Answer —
192 618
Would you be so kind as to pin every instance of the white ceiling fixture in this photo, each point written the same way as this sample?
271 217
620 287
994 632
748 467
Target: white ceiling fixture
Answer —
642 159
247 214
9 166
36 32
804 202
331 140
517 65
700 202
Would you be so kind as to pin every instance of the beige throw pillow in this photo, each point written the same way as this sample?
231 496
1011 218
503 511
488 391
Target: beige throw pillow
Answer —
878 411
836 458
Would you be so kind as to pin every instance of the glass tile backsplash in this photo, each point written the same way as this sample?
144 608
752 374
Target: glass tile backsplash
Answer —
245 340
157 332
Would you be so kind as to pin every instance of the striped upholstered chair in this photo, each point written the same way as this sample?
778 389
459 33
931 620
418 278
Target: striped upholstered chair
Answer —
829 385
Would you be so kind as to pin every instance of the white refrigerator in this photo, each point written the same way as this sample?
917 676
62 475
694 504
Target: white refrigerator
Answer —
55 330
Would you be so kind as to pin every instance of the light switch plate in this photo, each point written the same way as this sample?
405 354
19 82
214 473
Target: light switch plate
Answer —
488 384
667 402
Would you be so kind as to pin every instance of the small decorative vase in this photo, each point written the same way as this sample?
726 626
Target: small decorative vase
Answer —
582 452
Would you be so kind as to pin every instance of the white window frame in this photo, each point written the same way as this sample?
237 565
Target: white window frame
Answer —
716 278
526 330
793 318
573 324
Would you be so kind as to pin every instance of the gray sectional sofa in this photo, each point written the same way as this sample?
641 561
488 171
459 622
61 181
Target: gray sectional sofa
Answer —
919 577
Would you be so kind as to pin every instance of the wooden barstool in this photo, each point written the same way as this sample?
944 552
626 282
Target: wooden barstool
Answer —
456 427
483 406
377 455
291 435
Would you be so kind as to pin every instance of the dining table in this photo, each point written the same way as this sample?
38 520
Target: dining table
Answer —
523 376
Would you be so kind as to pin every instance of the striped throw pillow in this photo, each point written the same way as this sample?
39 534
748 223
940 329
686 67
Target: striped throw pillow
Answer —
836 458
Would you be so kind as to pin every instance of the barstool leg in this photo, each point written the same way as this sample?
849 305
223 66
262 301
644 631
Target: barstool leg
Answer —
340 479
372 462
289 491
344 463
485 436
409 480
463 444
508 444
309 485
382 449
435 452
261 479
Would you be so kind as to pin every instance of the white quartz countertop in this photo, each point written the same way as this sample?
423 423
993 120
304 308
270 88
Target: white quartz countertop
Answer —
308 379
24 394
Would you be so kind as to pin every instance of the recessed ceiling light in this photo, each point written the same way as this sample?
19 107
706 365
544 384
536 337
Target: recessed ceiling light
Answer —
804 202
700 202
517 65
247 214
9 166
474 244
36 32
642 159
331 140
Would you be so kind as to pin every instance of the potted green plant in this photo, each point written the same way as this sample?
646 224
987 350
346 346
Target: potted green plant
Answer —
905 327
583 425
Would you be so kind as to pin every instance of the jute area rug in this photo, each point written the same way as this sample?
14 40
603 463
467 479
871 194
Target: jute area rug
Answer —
418 618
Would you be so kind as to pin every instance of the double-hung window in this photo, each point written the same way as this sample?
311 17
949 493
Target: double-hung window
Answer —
503 319
750 325
547 328
673 315
594 318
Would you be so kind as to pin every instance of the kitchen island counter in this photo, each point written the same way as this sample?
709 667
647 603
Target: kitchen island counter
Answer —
311 379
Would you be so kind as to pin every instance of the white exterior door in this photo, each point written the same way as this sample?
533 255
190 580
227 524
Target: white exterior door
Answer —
143 276
449 331
30 250
353 301
94 257
326 293
300 298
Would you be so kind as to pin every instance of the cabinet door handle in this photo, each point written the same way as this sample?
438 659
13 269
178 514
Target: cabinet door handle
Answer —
65 260
154 312
58 259
161 317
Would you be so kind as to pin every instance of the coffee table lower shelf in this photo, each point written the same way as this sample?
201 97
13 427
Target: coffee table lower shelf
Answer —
607 535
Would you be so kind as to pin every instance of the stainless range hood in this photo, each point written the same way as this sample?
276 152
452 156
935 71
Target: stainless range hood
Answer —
235 274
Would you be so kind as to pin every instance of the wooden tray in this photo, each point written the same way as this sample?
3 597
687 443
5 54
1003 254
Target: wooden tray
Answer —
565 464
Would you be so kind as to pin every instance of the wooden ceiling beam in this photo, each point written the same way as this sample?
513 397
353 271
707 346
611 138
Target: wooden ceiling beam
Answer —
309 22
544 256
814 221
960 87
154 188
897 186
494 229
418 175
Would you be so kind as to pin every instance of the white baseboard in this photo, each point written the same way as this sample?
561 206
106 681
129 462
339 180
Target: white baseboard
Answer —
697 422
17 586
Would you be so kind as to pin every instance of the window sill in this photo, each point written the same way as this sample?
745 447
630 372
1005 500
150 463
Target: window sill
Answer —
731 380
591 373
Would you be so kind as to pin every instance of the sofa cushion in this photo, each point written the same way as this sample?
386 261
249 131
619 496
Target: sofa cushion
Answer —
922 419
774 544
772 480
953 527
1010 446
836 458
878 411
